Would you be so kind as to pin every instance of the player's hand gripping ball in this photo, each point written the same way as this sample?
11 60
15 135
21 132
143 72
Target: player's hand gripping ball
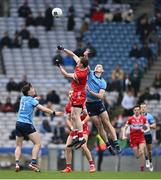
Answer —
60 47
57 12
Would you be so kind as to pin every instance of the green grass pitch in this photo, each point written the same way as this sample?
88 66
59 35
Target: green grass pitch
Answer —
8 174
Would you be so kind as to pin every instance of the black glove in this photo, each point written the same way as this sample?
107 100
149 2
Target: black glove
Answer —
57 62
60 47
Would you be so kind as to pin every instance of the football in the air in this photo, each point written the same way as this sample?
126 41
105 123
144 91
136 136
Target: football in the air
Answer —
57 12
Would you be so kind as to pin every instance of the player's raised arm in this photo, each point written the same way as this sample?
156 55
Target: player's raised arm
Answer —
49 111
69 53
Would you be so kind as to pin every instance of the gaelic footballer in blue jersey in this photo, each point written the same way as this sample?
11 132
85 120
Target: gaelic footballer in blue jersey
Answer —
96 87
24 125
148 136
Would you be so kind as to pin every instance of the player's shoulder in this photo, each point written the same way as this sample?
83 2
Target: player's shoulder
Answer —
150 116
131 118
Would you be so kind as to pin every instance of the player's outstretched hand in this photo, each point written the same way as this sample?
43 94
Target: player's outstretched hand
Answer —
60 48
86 52
57 62
59 113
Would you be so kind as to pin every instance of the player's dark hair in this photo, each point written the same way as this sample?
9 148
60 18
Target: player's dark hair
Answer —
84 61
143 103
26 88
136 106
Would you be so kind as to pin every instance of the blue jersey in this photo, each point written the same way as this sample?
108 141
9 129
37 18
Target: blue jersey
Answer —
27 105
150 120
95 84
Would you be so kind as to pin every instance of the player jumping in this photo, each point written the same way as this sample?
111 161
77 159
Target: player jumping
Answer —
137 122
96 86
84 119
79 95
25 128
148 136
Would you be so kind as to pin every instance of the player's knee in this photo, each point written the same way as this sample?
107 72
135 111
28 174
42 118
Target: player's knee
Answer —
68 149
38 145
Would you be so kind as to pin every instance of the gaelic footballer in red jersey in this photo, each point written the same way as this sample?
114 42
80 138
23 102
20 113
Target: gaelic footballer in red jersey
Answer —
79 78
137 123
73 134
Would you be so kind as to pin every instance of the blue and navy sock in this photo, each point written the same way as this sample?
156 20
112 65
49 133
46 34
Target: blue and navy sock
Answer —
17 161
34 161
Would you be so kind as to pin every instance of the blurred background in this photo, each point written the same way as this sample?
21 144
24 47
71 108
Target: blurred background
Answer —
123 35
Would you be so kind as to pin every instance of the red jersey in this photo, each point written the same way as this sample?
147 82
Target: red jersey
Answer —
81 78
136 127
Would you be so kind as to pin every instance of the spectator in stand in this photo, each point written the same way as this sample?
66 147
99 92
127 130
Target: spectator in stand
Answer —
157 81
108 16
16 104
45 127
8 106
23 82
117 16
49 19
97 15
11 85
128 15
128 102
6 41
1 106
24 10
84 26
59 133
33 42
117 78
30 20
158 18
71 20
155 95
147 53
145 95
126 82
135 77
16 40
40 20
147 31
53 97
24 33
59 57
135 51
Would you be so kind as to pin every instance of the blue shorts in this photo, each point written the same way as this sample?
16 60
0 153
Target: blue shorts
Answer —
148 138
95 108
24 129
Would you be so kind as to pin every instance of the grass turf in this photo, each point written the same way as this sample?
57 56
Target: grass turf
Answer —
8 174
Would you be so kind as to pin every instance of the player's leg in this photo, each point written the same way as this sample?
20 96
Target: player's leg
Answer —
97 122
19 141
88 155
142 155
68 156
109 128
35 138
75 114
149 152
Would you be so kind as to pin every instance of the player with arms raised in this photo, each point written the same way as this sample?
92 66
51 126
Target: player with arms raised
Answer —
79 78
24 125
148 136
137 123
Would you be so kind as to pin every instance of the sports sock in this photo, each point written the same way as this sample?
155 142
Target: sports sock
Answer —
17 161
34 161
91 162
146 158
80 135
150 157
68 165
